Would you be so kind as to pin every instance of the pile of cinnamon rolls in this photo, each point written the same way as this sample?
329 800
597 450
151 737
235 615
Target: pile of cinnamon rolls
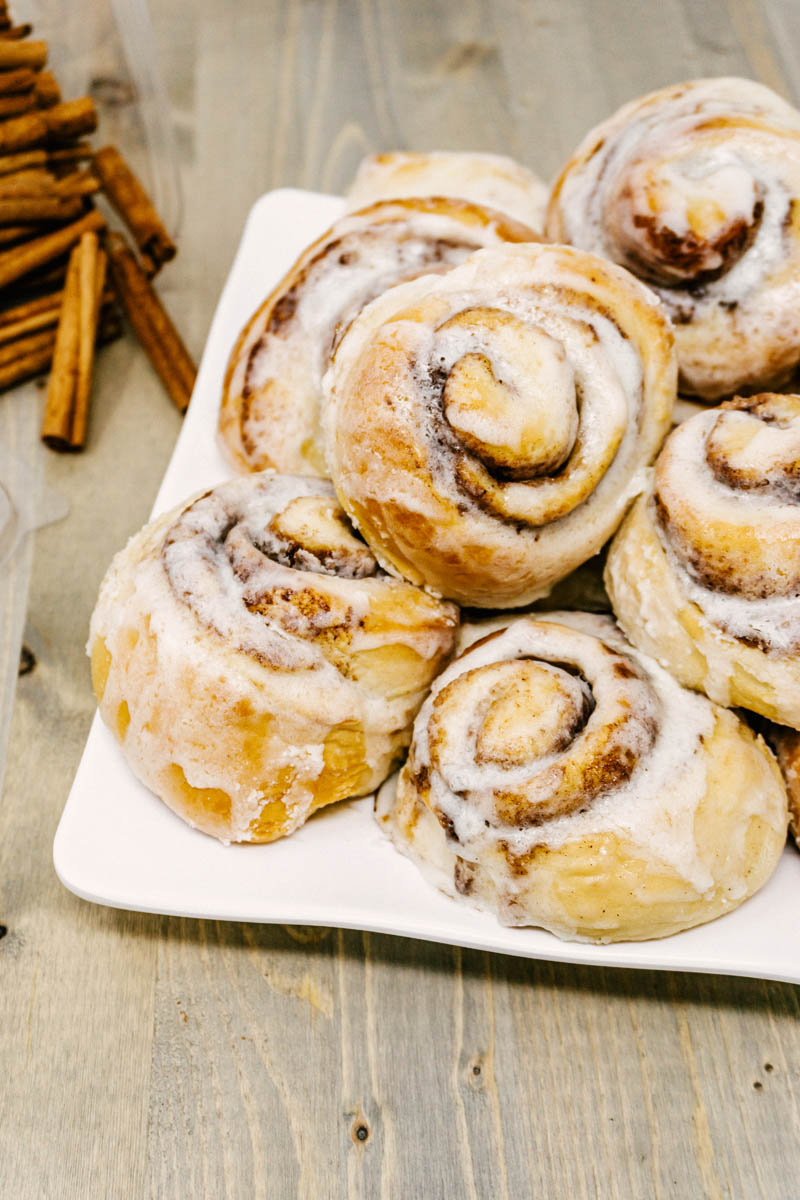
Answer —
457 396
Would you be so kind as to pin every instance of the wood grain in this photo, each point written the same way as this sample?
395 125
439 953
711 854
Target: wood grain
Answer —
148 1056
18 433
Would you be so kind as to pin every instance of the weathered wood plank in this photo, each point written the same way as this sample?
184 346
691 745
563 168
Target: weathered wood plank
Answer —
19 418
173 1058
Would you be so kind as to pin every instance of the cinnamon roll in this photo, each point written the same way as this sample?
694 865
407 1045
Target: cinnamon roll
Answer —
490 179
705 572
253 660
486 430
696 189
562 779
786 744
269 416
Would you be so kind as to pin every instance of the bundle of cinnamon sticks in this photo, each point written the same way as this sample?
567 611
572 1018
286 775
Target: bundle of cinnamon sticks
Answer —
63 273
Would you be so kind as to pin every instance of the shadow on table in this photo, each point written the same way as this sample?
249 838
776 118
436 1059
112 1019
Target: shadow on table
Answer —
407 959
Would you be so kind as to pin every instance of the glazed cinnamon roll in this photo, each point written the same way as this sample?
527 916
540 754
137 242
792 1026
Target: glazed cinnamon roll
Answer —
786 744
254 662
269 416
560 778
490 179
696 189
486 430
705 572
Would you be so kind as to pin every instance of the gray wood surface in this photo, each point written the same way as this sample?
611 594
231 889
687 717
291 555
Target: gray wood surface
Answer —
146 1056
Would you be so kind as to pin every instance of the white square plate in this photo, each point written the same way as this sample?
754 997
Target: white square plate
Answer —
117 844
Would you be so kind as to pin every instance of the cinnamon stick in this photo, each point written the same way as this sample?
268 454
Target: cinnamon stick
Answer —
92 278
66 155
46 319
19 133
77 183
21 53
47 277
133 204
51 259
158 336
72 119
49 301
46 90
27 363
29 356
39 182
30 308
17 210
18 233
11 163
57 421
16 103
32 182
67 409
17 31
21 80
19 260
63 154
27 345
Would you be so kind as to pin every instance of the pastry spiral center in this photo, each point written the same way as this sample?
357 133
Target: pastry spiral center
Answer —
758 446
257 561
684 220
545 730
533 710
513 405
313 529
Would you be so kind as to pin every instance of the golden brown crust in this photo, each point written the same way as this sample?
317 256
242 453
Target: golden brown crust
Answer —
705 572
786 744
253 661
486 431
639 809
269 416
490 179
696 189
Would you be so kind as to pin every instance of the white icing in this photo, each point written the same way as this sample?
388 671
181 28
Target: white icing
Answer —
623 390
655 808
191 593
280 370
773 621
720 175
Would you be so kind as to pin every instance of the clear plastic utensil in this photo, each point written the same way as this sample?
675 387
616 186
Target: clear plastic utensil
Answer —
8 523
107 49
138 39
25 505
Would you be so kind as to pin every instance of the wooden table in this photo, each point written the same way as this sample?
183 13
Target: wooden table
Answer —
148 1056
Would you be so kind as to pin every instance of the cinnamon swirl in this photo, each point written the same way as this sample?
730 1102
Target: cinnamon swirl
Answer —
786 744
696 189
269 416
487 429
705 572
254 662
491 179
560 778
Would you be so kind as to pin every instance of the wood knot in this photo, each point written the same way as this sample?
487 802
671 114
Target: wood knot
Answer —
27 661
475 1072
